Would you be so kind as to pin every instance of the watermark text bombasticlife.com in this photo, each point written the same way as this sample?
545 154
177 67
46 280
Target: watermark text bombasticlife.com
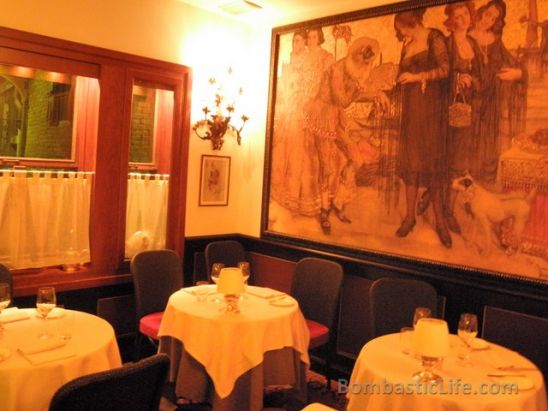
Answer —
451 387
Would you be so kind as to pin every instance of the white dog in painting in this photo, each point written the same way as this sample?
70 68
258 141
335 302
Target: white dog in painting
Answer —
491 209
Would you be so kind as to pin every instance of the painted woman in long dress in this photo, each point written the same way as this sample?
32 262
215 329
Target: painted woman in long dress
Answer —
294 159
421 158
498 67
320 59
464 85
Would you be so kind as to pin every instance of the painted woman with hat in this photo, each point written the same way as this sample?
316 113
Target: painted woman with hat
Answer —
464 86
422 157
292 161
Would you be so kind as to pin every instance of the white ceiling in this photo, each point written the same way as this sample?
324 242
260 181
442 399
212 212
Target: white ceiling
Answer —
279 12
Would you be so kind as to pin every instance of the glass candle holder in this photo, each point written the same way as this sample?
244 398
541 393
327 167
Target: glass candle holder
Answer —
431 344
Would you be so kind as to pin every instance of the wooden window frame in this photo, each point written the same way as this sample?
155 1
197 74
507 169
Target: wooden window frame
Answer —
116 72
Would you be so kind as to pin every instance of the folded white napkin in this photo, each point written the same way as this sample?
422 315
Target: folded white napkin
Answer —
505 360
283 301
57 312
266 293
42 351
12 314
211 288
479 344
49 356
38 346
522 382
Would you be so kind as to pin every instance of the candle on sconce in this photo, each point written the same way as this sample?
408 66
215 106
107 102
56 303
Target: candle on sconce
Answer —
219 114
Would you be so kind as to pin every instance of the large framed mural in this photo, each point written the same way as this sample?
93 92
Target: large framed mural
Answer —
418 131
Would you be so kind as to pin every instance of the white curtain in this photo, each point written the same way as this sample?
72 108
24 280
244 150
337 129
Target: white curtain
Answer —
146 215
44 218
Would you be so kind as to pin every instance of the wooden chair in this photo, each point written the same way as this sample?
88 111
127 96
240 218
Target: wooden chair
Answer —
317 287
136 387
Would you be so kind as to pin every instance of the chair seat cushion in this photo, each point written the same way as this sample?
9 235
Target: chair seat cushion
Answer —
149 325
319 334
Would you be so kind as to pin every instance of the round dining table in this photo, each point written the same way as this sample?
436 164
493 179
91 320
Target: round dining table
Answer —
228 358
32 369
494 379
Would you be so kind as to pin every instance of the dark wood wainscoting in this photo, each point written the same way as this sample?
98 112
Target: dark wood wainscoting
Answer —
273 266
82 299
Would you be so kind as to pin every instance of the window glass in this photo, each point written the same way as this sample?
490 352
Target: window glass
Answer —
36 113
141 148
150 154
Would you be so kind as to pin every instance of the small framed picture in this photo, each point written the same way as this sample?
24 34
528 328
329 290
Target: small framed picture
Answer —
214 180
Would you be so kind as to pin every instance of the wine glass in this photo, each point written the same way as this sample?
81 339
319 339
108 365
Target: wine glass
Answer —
5 299
468 329
216 271
244 266
201 291
421 312
45 302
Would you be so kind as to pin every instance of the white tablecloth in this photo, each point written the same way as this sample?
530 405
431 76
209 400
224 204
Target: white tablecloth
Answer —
381 365
228 345
28 387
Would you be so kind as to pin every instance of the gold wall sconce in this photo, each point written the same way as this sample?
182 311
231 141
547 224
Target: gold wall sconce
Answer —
218 115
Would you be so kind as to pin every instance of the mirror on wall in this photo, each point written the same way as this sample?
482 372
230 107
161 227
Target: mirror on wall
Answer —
36 113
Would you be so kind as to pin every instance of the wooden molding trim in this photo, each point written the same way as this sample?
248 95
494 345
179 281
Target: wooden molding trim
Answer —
26 284
116 71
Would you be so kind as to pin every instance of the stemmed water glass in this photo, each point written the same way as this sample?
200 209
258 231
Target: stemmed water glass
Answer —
244 266
421 312
5 299
468 329
5 296
215 273
45 302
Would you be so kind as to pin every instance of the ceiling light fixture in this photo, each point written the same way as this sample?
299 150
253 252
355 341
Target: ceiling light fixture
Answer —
239 7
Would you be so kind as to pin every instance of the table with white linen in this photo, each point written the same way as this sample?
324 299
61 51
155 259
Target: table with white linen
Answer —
383 367
227 359
28 382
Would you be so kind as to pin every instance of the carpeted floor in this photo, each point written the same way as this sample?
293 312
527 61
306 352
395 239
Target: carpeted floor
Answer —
317 392
282 400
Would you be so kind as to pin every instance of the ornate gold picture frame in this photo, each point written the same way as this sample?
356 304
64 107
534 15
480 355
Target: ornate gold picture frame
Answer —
414 132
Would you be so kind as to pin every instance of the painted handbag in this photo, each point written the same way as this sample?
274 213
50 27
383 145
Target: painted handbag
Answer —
460 112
